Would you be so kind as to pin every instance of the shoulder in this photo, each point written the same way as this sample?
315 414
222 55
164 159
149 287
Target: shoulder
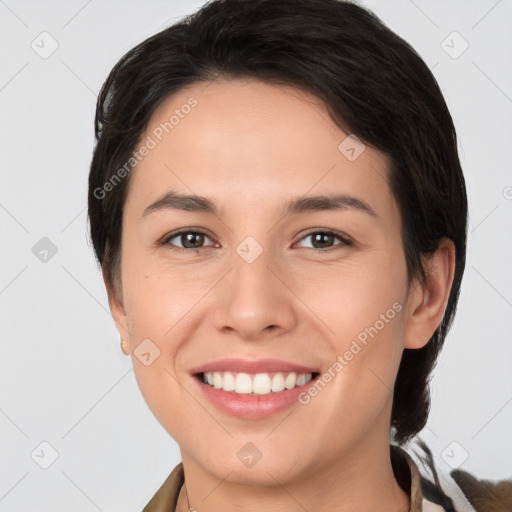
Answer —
484 495
459 490
166 496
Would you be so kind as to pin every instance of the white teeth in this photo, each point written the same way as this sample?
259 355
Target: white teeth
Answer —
243 383
228 382
278 382
217 380
259 384
291 381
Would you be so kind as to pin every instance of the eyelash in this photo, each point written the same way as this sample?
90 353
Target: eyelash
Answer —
345 240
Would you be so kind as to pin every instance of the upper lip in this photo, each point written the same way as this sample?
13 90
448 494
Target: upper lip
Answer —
252 366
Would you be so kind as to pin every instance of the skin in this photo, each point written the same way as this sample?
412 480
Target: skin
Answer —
250 147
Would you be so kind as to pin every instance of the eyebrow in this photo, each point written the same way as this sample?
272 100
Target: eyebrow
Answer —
201 204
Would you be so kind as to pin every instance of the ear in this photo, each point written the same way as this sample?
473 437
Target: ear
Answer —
427 302
117 309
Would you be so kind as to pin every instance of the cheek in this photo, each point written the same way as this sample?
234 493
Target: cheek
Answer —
362 313
165 396
159 316
158 295
352 297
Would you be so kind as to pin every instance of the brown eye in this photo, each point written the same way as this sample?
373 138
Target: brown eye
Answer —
189 239
323 240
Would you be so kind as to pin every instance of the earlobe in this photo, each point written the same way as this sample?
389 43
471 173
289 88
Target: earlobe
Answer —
427 301
124 346
117 309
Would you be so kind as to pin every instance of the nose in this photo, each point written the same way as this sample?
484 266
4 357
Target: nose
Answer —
253 300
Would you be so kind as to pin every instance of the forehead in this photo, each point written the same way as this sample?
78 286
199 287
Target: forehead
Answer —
244 141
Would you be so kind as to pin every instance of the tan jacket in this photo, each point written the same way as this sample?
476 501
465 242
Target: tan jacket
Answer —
406 472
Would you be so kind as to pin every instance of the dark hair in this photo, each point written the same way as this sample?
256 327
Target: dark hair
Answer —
374 85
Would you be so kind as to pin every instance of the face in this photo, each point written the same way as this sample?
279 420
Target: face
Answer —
251 288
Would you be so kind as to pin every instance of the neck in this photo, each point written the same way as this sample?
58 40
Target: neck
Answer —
360 480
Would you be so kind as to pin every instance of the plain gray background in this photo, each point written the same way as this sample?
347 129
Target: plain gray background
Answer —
64 381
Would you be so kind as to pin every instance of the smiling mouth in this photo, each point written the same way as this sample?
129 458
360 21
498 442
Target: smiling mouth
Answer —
240 383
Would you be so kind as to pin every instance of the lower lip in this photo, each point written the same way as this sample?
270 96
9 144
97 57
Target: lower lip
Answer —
252 407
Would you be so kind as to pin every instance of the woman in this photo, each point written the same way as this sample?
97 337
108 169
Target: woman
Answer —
279 211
